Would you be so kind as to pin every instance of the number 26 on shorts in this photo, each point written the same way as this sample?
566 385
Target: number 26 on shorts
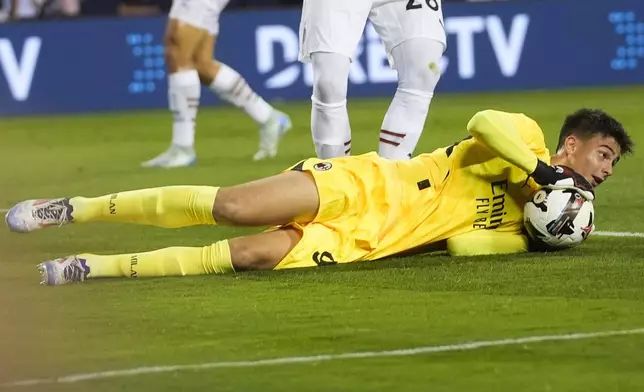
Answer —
417 4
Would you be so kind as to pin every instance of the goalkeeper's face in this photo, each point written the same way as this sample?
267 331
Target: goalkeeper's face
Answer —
593 158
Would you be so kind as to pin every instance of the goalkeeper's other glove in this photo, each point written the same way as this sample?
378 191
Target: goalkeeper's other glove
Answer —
562 177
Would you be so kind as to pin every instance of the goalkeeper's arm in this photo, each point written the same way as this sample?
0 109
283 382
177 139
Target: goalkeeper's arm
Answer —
496 130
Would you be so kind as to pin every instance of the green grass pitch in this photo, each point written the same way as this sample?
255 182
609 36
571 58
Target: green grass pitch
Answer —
393 304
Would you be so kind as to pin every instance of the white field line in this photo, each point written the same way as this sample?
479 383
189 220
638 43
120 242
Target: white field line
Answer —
318 358
618 234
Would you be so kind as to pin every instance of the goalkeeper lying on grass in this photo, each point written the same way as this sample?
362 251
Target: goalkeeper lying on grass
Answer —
468 196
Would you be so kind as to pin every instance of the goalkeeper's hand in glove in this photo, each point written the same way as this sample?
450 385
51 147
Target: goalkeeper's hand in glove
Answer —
562 177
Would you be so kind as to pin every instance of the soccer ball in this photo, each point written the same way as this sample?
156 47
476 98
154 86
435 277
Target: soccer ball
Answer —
558 218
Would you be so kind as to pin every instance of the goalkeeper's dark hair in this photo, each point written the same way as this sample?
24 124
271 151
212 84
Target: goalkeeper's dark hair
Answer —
586 123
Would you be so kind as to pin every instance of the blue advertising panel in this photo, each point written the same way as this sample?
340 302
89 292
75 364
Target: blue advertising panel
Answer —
118 64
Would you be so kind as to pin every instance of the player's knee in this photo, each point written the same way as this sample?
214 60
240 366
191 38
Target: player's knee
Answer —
229 208
243 257
202 66
175 57
417 62
171 43
171 55
248 255
331 73
329 88
207 69
234 206
419 77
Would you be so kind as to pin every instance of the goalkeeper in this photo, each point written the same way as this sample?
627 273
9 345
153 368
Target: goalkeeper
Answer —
467 198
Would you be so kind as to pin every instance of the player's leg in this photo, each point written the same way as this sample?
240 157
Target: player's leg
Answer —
415 41
184 90
329 33
418 73
232 87
287 197
261 251
324 240
330 125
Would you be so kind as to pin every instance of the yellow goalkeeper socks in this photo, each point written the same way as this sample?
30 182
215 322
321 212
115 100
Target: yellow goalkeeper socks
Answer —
174 261
169 207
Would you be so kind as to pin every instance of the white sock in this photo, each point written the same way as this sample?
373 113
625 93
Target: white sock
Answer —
403 124
331 130
232 87
184 91
329 117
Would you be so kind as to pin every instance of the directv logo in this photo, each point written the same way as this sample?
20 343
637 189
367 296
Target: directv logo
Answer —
277 51
19 69
272 40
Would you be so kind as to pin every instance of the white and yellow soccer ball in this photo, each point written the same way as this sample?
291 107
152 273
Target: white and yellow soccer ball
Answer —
558 218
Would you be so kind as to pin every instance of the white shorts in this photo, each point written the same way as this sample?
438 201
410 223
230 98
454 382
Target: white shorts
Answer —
335 26
203 14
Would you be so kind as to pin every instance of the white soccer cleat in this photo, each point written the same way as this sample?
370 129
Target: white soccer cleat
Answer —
175 156
32 215
271 133
65 270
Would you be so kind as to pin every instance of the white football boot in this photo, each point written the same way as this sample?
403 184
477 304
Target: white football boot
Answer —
271 133
65 270
175 156
32 215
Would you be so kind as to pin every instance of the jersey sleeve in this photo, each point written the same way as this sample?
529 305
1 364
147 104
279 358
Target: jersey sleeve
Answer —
532 134
513 137
487 242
